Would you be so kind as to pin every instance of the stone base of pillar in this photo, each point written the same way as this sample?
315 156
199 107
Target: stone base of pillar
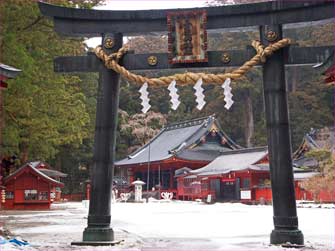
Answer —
95 243
287 236
98 234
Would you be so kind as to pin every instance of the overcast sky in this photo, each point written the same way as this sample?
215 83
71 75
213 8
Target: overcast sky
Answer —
143 5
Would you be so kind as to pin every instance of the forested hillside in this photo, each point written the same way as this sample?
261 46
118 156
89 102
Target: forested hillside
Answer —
51 116
310 99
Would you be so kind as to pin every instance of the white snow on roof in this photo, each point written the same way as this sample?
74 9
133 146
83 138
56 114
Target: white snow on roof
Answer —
33 165
305 175
10 68
232 162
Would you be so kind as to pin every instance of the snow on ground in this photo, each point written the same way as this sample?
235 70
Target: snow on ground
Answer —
169 226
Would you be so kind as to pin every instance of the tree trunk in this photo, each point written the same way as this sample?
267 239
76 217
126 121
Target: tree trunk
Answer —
249 120
58 163
24 152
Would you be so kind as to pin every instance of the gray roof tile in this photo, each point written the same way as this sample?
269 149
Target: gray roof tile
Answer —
172 140
234 161
8 71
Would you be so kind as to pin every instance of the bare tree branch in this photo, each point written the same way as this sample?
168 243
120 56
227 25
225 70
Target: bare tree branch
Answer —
36 21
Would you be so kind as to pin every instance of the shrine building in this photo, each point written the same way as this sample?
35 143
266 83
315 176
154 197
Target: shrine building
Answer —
328 69
239 175
232 176
313 140
195 159
192 144
7 72
244 174
34 186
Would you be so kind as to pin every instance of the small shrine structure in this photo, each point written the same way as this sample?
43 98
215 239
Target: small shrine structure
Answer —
32 187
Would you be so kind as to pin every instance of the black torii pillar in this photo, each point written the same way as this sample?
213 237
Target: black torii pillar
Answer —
278 134
99 231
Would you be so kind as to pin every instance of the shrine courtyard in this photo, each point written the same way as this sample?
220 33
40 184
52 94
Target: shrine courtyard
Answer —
170 226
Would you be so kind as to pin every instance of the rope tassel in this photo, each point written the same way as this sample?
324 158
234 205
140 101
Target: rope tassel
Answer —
199 94
174 95
145 97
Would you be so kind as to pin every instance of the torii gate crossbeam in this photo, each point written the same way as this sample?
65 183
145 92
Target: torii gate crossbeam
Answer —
269 16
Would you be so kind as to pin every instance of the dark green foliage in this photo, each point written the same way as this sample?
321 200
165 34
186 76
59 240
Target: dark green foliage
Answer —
43 110
48 116
311 105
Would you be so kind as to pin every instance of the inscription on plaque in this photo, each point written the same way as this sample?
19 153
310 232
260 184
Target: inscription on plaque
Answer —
187 37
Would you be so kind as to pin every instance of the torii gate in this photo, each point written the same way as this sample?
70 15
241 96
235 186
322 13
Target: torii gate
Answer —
112 25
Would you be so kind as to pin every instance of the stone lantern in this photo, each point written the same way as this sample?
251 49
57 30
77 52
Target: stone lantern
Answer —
138 190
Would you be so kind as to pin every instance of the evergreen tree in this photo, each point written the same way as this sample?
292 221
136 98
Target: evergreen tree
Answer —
43 110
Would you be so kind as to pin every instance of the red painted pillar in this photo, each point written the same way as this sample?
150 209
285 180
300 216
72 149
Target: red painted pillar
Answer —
131 175
88 191
3 198
49 192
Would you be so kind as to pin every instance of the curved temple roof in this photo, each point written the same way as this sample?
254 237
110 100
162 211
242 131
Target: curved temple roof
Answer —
173 140
32 165
234 161
8 71
52 173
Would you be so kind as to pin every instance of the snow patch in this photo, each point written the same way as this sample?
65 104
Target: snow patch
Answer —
176 225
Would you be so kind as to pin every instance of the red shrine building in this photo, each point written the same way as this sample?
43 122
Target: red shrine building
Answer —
234 175
34 186
196 159
192 144
328 69
7 72
244 174
238 175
